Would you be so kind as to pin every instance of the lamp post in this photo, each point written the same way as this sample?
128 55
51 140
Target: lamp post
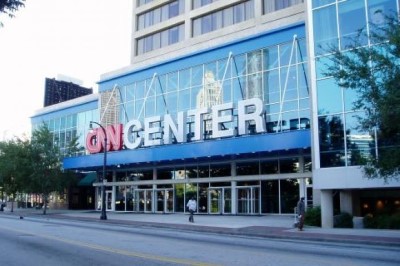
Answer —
103 215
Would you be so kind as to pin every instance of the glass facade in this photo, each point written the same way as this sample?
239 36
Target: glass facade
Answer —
341 142
275 74
67 127
279 196
246 184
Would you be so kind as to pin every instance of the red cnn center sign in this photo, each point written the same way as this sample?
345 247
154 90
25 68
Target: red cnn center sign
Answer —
95 139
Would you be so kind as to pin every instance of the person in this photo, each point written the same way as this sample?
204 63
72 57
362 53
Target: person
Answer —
301 211
192 206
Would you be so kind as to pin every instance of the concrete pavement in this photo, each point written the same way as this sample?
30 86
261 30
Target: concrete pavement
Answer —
268 226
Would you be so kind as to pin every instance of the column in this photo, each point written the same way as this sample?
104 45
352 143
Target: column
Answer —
234 190
154 192
233 197
114 190
326 209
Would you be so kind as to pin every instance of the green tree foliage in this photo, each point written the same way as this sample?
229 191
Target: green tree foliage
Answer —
14 166
34 166
373 71
47 175
9 7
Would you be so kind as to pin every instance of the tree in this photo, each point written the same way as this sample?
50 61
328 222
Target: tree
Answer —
14 166
373 71
9 7
47 175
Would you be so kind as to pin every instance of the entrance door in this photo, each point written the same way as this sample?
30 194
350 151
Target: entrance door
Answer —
143 200
248 200
109 200
215 200
165 200
219 200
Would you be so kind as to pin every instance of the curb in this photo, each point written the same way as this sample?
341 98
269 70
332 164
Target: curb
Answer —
270 232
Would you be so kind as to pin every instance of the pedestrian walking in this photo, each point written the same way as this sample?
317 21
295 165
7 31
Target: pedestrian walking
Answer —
192 206
301 211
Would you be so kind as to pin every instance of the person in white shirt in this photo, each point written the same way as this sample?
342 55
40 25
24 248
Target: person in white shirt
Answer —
192 206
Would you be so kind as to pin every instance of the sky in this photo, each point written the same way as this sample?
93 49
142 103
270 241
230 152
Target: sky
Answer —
82 39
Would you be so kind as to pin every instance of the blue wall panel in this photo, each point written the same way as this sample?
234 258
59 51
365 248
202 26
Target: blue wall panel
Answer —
298 139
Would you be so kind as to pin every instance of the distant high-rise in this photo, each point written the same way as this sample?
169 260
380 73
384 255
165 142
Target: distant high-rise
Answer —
57 91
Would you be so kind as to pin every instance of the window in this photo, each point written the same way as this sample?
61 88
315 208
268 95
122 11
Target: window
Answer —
142 2
274 5
351 11
160 14
160 39
223 18
325 34
200 3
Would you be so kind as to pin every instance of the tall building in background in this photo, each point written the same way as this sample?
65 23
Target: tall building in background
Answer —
58 91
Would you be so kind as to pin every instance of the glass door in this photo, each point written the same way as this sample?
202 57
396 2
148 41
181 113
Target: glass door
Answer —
143 200
109 200
165 200
215 200
248 200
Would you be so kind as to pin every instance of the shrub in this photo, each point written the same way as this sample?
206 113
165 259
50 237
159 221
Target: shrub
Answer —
370 222
343 220
313 216
383 221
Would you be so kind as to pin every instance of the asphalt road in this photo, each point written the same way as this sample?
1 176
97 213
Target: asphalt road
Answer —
32 241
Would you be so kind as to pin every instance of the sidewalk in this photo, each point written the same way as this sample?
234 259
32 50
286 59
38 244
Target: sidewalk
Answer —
268 226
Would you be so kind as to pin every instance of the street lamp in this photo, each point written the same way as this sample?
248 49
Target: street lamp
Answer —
103 215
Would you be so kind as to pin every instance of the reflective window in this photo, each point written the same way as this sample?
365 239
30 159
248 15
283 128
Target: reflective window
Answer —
360 144
329 97
325 34
204 170
353 11
269 167
378 9
160 39
223 18
217 170
289 195
142 2
160 14
274 5
318 3
331 141
248 168
200 3
289 165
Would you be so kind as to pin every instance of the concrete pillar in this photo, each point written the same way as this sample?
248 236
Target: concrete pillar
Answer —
114 190
233 197
326 209
234 190
316 197
154 193
346 201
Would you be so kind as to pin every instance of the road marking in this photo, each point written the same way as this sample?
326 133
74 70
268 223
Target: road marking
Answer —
113 250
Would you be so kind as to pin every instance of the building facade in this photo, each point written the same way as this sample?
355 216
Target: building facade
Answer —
223 101
57 91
